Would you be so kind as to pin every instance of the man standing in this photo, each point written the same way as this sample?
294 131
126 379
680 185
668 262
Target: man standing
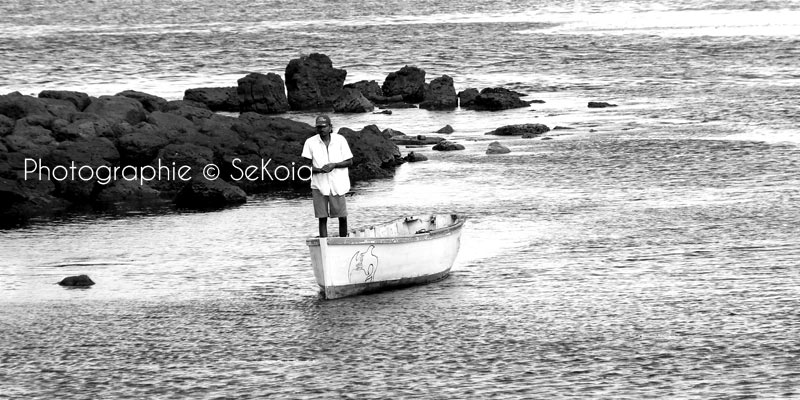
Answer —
330 156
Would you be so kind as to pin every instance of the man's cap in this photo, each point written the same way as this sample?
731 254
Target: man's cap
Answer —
323 120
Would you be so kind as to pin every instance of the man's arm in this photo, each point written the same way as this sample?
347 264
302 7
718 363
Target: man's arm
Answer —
307 162
340 164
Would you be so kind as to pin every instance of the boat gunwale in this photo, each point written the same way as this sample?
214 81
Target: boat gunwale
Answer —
447 230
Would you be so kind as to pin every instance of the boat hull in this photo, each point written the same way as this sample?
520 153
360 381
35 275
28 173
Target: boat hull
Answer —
357 265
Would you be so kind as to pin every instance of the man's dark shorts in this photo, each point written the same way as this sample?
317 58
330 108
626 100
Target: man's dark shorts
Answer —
328 206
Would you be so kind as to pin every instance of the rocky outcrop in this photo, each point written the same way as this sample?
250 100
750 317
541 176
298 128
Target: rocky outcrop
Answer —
526 130
466 97
216 99
352 101
447 145
447 129
183 134
149 102
497 148
78 99
600 104
408 82
440 95
494 99
312 83
77 281
263 94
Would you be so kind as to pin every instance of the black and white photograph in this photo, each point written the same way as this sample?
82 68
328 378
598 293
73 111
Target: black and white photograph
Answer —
508 199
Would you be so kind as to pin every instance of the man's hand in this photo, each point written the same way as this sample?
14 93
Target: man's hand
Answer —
328 167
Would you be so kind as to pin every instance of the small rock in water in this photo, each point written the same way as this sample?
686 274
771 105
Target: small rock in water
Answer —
77 281
600 104
446 129
537 101
527 130
446 145
414 157
387 112
558 128
497 148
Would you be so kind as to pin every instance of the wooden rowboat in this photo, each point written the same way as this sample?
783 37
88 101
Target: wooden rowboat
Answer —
403 252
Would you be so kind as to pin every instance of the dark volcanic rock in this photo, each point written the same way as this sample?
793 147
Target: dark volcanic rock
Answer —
77 281
263 94
600 104
16 106
201 193
118 108
312 83
408 82
467 97
174 127
526 130
142 145
86 126
6 125
369 89
62 109
447 145
117 131
374 156
497 148
493 99
149 102
352 101
415 157
216 99
127 190
440 95
188 109
390 133
94 152
79 99
447 129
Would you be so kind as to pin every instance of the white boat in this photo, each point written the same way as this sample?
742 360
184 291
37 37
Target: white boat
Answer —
403 252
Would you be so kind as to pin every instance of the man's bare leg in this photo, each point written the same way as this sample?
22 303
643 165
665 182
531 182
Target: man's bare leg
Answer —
342 226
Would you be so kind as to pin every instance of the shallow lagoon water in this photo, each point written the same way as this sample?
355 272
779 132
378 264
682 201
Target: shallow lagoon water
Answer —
649 252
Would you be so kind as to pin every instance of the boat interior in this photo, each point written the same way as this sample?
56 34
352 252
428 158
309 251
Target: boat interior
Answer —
407 226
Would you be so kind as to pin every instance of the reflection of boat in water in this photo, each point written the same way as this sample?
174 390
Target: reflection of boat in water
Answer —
403 252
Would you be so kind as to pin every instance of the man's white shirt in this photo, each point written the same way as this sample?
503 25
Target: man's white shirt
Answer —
336 182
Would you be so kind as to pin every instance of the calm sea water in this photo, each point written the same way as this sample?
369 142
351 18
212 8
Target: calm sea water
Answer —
651 251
